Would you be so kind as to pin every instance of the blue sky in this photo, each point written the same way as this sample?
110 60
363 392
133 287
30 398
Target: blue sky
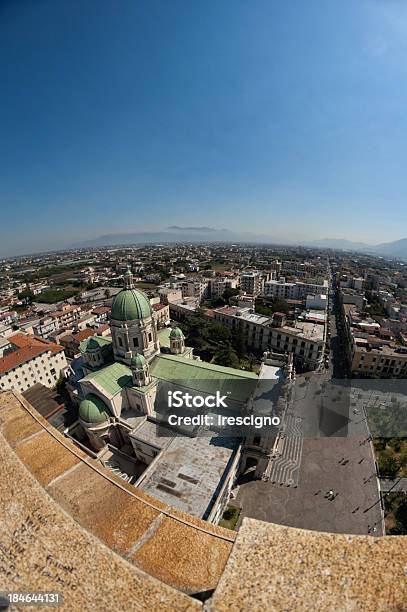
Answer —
282 118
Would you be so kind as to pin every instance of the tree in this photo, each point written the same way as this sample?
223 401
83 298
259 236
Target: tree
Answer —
268 310
228 293
388 464
218 332
216 302
227 357
26 296
239 341
401 516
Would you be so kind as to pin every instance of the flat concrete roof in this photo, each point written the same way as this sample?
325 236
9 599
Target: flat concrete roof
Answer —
309 331
189 471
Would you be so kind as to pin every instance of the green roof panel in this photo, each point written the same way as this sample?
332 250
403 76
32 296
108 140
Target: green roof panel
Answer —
204 377
94 342
112 378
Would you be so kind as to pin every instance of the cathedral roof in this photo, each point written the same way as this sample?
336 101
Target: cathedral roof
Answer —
93 409
198 375
204 377
94 342
111 378
130 304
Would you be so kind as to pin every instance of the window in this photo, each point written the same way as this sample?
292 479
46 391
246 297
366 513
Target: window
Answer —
135 342
150 337
119 341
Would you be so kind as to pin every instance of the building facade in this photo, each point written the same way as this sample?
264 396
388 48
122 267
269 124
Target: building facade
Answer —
32 360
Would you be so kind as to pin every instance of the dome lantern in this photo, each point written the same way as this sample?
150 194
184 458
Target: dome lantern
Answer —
128 278
140 370
177 341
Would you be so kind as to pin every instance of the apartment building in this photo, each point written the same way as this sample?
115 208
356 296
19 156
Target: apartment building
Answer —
294 290
169 294
303 269
8 317
180 309
351 296
276 266
66 316
352 282
194 287
38 288
252 283
31 360
101 313
369 351
161 314
219 284
316 302
45 327
304 339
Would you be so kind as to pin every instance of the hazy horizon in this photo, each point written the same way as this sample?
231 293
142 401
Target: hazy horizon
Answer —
272 118
183 234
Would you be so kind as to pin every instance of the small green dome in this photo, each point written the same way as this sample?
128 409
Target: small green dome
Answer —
92 344
130 304
138 360
176 333
93 410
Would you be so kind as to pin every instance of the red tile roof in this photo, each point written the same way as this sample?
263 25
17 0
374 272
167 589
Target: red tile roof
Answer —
102 328
159 306
83 334
28 347
101 310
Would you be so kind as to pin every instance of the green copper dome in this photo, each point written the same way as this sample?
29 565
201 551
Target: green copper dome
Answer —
130 304
138 360
92 344
176 333
93 410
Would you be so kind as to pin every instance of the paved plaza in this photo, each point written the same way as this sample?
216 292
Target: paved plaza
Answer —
354 508
323 447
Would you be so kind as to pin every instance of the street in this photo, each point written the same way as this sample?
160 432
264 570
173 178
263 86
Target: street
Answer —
323 475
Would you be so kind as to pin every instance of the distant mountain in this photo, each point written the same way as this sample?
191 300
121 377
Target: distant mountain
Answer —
175 233
397 249
195 229
341 243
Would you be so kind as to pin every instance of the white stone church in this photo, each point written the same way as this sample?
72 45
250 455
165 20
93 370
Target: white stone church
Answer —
121 385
